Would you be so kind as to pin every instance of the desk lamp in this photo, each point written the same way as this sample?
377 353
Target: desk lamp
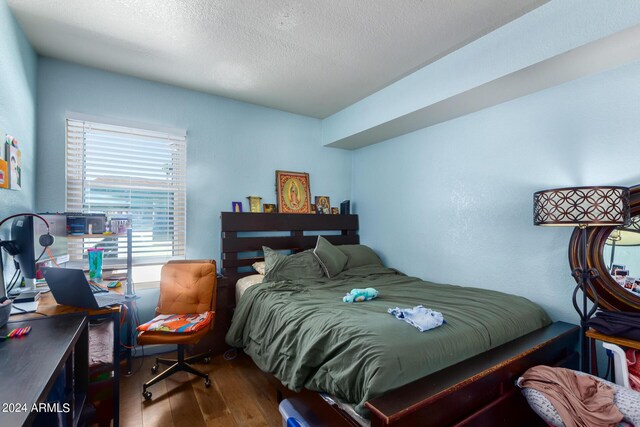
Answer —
582 207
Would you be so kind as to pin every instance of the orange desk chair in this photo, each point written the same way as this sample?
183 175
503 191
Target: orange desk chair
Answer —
186 287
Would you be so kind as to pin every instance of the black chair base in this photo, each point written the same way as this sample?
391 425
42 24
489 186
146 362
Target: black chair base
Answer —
176 365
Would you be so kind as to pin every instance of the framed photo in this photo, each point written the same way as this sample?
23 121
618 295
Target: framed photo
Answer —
269 208
615 267
623 273
314 208
254 204
334 211
293 192
236 207
322 202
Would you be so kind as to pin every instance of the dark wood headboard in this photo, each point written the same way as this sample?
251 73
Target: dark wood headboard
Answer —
295 225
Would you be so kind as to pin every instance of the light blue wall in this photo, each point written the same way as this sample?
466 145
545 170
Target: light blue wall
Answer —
453 203
553 28
18 68
234 148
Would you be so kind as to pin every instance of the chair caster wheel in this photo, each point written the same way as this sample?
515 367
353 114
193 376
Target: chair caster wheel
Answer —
207 359
207 382
147 395
154 368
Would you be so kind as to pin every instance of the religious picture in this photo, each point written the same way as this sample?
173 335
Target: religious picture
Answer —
236 207
293 192
269 208
322 202
334 211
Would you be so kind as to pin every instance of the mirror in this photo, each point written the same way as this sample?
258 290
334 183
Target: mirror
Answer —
614 254
621 253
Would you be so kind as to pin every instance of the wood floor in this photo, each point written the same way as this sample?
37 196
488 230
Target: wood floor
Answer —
240 395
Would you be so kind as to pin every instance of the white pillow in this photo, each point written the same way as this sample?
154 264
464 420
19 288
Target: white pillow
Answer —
245 283
260 267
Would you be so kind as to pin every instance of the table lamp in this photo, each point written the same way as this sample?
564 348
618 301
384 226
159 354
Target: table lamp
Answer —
582 207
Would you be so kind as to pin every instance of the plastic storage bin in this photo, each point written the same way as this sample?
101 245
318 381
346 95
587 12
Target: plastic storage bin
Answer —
620 364
290 416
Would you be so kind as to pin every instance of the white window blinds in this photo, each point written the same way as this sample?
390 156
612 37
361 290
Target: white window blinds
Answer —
131 173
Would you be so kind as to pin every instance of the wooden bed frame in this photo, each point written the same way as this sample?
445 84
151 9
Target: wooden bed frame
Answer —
479 391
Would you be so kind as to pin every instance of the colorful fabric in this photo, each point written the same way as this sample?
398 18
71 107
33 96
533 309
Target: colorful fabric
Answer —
178 323
633 364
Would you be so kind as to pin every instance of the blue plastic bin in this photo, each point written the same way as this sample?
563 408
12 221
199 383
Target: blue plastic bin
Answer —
290 416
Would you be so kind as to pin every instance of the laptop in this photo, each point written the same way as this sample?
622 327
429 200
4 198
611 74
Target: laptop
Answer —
69 286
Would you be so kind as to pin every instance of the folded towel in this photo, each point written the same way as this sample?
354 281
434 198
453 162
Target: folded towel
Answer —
419 316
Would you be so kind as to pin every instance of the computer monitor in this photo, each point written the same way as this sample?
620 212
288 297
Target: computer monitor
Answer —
23 239
23 247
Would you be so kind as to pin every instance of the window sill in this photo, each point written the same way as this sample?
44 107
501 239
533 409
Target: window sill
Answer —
147 285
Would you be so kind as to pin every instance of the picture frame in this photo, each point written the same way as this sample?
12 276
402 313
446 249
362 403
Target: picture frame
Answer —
615 267
236 207
314 208
323 203
269 208
293 192
335 211
254 204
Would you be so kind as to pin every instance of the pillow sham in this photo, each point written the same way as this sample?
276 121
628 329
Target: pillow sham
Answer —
259 267
330 257
359 255
280 267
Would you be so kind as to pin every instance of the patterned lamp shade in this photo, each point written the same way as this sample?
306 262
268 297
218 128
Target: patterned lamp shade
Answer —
581 206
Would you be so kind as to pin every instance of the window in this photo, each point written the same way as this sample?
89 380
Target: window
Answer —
133 173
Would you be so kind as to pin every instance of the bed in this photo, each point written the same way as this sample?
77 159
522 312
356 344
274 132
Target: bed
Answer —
302 333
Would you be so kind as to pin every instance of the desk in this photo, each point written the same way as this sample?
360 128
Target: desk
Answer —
47 305
30 365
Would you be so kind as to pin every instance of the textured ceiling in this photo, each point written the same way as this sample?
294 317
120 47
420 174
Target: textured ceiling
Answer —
305 56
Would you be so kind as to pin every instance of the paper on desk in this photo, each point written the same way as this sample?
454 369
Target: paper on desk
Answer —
24 307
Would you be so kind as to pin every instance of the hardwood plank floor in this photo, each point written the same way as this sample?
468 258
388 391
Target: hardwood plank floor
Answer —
239 396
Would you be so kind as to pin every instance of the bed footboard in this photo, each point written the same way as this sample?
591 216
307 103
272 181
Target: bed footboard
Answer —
479 391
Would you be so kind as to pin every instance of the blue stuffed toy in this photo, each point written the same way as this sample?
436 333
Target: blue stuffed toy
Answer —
359 295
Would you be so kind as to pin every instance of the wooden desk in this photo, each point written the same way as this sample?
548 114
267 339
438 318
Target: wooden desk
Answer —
29 366
48 306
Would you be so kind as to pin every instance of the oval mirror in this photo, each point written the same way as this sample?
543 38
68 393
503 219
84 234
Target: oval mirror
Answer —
614 252
621 252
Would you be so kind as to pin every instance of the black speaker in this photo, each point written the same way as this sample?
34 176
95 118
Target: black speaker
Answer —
345 207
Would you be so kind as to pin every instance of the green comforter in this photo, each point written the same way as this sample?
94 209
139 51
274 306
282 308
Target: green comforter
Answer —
307 337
